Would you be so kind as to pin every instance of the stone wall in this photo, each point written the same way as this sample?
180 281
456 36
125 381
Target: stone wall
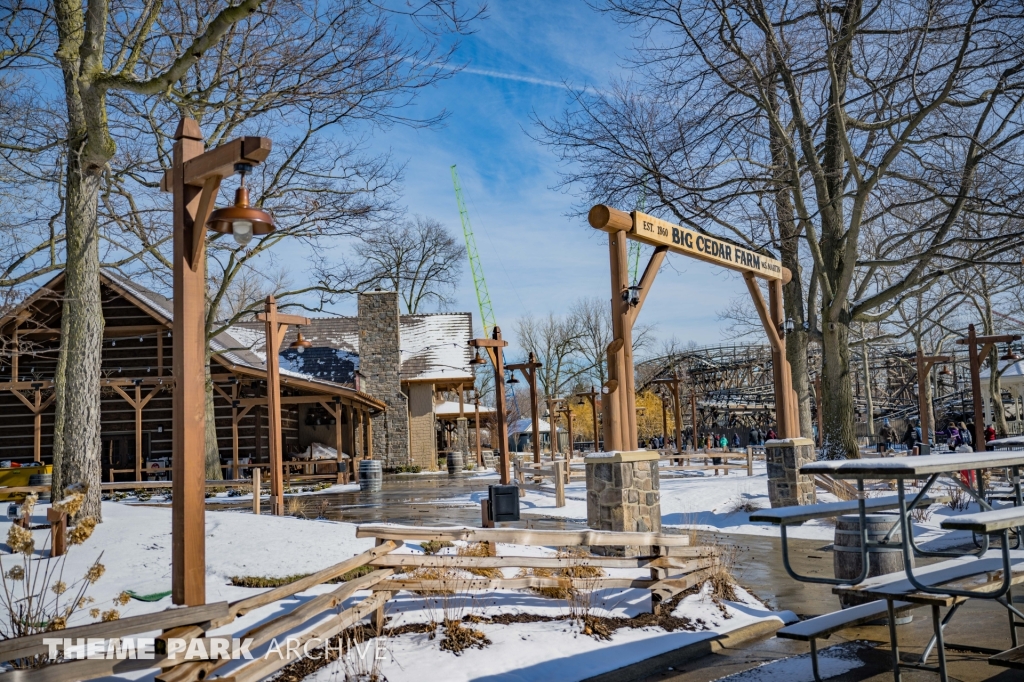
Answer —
786 487
422 430
623 494
379 368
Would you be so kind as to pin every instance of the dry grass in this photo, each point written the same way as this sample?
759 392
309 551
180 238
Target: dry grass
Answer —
480 549
296 506
743 505
958 499
434 546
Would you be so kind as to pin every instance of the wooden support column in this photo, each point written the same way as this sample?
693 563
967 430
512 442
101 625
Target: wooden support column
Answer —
194 179
479 450
771 319
529 370
495 350
275 327
188 462
978 347
693 411
138 402
37 406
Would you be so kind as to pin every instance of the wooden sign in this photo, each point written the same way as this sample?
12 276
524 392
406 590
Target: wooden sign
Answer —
683 240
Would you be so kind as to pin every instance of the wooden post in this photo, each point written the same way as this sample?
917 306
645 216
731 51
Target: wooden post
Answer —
160 353
560 468
529 370
138 433
693 411
553 443
664 419
479 451
275 327
188 498
37 406
495 346
58 532
485 514
194 187
339 472
274 406
976 357
750 462
568 427
256 484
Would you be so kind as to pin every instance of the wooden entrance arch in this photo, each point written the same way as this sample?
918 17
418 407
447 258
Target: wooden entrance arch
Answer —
618 403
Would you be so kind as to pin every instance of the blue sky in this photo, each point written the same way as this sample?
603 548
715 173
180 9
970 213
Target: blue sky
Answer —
536 258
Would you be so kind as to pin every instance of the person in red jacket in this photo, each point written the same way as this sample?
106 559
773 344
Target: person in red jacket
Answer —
990 433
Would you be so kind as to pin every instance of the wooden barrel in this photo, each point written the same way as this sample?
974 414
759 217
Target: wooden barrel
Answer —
881 560
455 463
371 475
41 479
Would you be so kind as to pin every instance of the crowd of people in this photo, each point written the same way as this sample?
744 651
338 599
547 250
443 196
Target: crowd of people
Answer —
955 435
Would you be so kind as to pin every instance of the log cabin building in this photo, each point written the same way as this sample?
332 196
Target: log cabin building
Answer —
136 391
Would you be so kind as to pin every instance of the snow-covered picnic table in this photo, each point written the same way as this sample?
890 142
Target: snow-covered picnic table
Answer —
984 574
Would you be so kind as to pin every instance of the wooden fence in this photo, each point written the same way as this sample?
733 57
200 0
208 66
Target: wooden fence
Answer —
674 567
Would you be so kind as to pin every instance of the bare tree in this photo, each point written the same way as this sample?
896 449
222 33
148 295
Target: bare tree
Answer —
296 71
554 341
808 128
418 258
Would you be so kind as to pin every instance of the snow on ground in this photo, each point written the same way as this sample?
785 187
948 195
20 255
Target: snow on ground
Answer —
135 543
553 650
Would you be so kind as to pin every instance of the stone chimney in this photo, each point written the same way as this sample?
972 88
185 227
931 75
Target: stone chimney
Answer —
379 364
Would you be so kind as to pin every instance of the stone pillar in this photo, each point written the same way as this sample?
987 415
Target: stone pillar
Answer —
422 426
623 494
380 367
462 439
786 487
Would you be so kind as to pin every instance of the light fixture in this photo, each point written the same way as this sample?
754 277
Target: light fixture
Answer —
1010 355
241 220
477 360
789 326
631 295
512 378
160 429
945 371
299 345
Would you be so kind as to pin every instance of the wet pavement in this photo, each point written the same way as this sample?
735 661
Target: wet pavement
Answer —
414 500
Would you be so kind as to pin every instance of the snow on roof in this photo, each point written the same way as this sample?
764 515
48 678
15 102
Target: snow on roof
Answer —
432 347
238 345
1013 370
526 426
450 408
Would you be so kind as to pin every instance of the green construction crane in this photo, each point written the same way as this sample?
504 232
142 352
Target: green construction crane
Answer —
483 298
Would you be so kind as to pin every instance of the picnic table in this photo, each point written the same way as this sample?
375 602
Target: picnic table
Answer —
981 574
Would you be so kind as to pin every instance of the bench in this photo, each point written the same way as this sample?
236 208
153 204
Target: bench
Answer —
1014 658
987 521
788 516
823 627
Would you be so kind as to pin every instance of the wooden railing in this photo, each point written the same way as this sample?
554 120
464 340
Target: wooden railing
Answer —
674 567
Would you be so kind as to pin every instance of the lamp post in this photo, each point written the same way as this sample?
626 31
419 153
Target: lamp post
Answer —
973 341
529 370
592 397
494 346
194 179
924 368
552 403
673 384
275 327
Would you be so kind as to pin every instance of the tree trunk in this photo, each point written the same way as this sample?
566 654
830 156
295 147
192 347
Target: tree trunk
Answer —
77 430
995 396
839 441
213 470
